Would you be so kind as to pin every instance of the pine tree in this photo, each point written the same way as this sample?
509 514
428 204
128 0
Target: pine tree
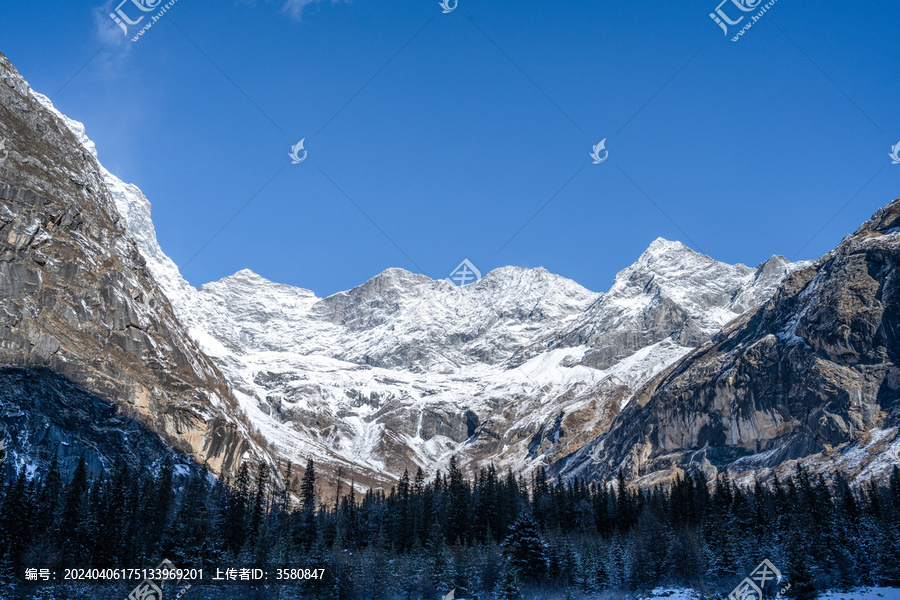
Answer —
284 499
74 506
160 504
306 532
14 521
439 562
685 556
110 516
624 508
412 573
509 587
457 505
650 549
350 518
192 535
540 497
895 490
234 518
802 586
48 499
402 513
526 549
491 563
259 507
89 524
308 487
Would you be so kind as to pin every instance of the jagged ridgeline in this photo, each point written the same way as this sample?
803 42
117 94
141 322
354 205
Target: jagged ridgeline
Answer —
813 374
78 299
684 364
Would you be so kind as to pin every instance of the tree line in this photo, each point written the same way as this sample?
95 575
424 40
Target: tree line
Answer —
492 535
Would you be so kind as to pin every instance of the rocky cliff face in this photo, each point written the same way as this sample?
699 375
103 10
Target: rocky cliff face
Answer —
45 416
518 369
671 292
812 374
521 368
76 295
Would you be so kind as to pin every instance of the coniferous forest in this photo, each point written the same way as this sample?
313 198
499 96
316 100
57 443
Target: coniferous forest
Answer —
492 536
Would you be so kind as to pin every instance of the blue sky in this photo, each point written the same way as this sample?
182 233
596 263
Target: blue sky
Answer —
435 137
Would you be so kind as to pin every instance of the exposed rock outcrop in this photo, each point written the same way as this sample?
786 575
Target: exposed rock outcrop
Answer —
812 374
45 416
520 368
76 296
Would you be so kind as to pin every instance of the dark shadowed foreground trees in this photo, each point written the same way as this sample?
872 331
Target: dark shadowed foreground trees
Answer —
494 535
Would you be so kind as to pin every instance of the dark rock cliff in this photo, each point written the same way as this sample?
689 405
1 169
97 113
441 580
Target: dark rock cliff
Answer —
44 415
76 297
811 371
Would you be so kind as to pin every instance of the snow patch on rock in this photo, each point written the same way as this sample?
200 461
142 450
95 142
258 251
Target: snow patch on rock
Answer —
404 370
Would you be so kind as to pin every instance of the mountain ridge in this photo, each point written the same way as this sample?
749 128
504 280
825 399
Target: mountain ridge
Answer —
523 368
76 294
811 375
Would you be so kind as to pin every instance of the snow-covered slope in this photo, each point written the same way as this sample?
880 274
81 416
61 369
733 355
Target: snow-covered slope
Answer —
404 371
518 368
864 593
76 297
811 376
670 290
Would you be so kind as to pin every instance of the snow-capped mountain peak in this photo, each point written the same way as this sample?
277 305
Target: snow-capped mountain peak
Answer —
661 246
517 368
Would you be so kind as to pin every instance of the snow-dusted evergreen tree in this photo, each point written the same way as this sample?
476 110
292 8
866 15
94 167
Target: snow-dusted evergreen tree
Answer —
685 556
412 572
589 569
801 579
440 564
234 517
74 506
819 535
489 565
650 550
619 561
526 550
48 502
509 587
15 534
